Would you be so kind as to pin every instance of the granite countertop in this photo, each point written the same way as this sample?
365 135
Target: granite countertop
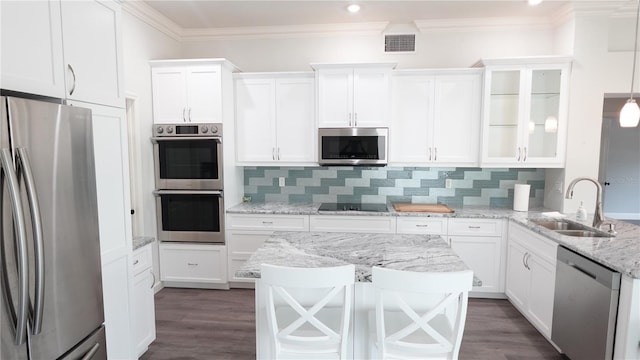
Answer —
621 253
140 241
419 253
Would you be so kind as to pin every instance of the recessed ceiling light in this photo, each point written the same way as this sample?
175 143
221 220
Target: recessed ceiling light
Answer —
534 2
353 8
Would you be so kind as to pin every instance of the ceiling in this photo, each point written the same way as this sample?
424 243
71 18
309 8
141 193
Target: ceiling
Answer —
200 14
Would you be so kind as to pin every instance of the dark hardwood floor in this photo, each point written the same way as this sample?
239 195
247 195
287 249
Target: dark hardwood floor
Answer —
217 324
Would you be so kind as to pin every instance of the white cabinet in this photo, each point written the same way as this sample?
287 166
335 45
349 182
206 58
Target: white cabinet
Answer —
247 232
479 243
275 117
110 146
354 224
188 90
353 95
144 318
421 225
525 112
531 269
31 47
435 117
92 35
193 265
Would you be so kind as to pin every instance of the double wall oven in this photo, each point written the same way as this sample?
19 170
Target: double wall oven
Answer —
189 182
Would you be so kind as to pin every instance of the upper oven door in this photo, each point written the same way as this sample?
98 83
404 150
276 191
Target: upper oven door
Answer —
353 146
188 162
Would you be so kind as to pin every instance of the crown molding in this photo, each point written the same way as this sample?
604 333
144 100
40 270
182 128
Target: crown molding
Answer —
483 24
153 18
290 31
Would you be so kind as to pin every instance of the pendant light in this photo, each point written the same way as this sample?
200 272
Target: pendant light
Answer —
630 113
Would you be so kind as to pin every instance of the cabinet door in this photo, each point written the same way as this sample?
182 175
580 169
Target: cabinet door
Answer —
144 319
295 124
371 97
335 97
518 278
411 129
31 47
545 135
543 279
94 73
204 94
503 110
169 94
482 255
255 120
456 129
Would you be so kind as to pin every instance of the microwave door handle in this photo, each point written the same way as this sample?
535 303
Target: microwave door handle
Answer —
38 244
21 251
186 192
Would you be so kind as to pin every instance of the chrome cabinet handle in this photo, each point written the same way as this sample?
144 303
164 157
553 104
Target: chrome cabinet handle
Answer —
435 154
430 154
136 262
519 153
189 114
92 352
355 119
184 118
20 318
525 154
524 263
273 153
24 166
278 153
153 283
73 73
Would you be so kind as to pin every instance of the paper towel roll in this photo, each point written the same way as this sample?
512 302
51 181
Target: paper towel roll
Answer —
521 197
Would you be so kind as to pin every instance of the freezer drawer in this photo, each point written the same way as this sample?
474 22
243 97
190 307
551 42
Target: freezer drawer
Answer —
94 347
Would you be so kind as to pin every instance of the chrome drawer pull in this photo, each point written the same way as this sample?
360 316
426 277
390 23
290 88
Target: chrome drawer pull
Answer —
192 264
422 225
474 227
136 262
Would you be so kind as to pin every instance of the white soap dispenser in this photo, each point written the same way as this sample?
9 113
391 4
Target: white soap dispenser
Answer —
581 214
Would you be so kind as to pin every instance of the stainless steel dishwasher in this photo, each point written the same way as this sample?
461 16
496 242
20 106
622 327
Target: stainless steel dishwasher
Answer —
585 307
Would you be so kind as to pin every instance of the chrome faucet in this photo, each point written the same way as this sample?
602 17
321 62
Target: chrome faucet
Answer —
598 217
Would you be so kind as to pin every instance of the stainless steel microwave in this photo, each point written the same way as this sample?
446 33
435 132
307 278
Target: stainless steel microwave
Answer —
353 146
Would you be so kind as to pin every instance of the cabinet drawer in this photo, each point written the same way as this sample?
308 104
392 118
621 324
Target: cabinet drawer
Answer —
475 227
193 263
533 242
142 259
354 224
268 222
421 225
246 242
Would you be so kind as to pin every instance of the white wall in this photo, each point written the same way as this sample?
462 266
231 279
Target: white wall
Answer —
434 49
142 43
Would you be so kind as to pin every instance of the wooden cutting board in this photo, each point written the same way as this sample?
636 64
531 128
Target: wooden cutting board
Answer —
434 208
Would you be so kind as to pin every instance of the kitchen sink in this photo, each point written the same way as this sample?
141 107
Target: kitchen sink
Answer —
560 225
583 233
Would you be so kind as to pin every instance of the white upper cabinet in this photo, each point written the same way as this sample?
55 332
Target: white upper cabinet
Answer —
435 117
525 112
353 95
275 118
188 90
93 64
31 47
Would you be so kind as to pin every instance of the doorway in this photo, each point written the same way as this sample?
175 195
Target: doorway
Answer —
619 170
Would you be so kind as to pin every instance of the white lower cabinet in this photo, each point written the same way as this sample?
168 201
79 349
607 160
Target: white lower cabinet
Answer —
479 243
144 318
247 232
355 224
531 269
193 265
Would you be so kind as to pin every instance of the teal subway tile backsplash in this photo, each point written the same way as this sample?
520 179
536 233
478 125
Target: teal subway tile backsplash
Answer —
470 186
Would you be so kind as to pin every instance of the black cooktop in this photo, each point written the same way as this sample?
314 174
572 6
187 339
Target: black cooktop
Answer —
353 207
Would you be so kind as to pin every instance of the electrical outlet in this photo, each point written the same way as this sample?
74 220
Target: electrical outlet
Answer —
448 183
281 181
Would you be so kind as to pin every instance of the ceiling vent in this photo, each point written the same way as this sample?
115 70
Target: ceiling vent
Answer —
399 43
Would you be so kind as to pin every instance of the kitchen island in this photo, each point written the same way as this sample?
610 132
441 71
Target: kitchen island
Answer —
421 253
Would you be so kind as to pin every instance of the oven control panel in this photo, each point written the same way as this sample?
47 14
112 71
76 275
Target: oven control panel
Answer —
184 130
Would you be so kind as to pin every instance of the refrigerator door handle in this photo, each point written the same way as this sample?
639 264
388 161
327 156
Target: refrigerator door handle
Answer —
24 164
92 352
21 250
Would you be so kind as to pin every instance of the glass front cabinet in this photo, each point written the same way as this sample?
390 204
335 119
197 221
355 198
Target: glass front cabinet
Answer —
525 112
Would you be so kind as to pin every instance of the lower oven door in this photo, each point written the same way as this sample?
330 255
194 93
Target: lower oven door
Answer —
190 216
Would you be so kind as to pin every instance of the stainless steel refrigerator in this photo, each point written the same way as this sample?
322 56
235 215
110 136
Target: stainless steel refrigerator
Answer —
51 304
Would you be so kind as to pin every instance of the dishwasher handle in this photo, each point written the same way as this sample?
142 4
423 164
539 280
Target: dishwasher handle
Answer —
602 274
